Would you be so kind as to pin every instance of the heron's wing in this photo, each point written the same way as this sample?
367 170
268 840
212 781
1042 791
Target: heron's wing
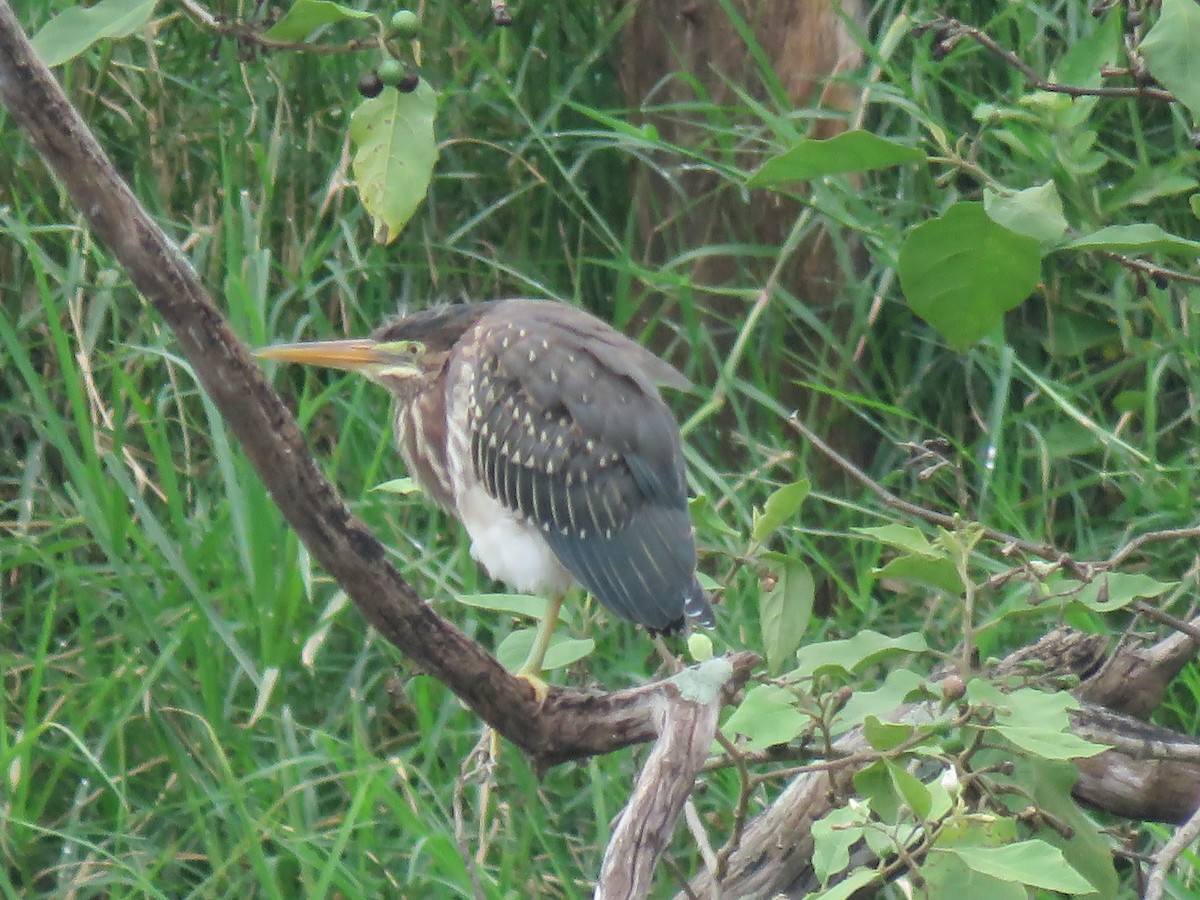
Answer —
578 441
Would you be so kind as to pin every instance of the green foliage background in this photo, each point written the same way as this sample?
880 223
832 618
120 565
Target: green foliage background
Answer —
190 708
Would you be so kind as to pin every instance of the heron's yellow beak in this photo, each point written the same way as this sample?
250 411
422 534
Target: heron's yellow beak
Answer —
374 359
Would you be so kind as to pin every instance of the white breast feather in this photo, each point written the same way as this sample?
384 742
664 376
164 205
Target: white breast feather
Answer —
508 547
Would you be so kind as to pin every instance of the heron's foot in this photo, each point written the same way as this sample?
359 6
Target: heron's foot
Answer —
541 689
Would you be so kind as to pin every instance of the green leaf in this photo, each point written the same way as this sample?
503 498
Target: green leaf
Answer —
939 573
1050 744
1087 849
524 605
833 836
961 272
707 519
1034 863
784 611
885 735
1139 238
1036 721
395 155
1117 590
904 537
1172 52
865 648
847 887
909 789
569 650
766 717
402 486
948 876
897 687
780 506
306 16
851 151
514 650
1036 212
75 29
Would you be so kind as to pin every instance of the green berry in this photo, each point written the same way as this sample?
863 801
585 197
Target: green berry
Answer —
391 72
405 23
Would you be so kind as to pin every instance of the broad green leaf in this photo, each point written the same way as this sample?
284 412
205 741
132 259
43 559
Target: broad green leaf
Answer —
940 573
949 876
1036 721
1036 212
1050 744
784 611
524 605
1087 849
1035 863
885 735
874 785
1140 238
306 16
1172 52
766 717
897 687
850 654
395 154
780 506
76 28
833 836
569 650
514 650
909 789
851 151
961 272
1117 590
905 537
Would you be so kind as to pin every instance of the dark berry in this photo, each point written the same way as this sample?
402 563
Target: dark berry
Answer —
369 84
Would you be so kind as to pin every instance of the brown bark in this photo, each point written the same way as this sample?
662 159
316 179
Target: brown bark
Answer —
678 53
571 724
686 722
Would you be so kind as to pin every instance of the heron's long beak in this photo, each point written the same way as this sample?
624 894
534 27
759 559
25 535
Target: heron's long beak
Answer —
362 355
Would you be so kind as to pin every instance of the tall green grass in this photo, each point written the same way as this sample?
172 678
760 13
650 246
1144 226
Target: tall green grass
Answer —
191 708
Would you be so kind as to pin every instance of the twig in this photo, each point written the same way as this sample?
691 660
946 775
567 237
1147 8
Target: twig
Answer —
1085 571
251 34
1160 275
1184 836
950 31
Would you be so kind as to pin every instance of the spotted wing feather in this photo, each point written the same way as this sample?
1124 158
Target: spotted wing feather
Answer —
579 443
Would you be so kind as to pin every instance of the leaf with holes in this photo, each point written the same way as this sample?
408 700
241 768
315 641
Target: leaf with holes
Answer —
394 156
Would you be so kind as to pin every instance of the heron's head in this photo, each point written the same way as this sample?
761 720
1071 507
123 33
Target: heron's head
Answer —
399 354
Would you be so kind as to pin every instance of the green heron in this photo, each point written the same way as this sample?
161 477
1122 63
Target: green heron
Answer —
542 429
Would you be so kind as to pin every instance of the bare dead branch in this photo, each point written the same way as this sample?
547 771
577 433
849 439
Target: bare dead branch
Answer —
686 720
1183 838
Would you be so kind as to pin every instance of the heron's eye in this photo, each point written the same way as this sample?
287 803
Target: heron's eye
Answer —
401 348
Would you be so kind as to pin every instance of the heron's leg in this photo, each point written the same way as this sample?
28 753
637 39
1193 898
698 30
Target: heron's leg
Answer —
531 669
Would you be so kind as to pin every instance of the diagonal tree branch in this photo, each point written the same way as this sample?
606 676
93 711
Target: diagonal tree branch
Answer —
571 724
